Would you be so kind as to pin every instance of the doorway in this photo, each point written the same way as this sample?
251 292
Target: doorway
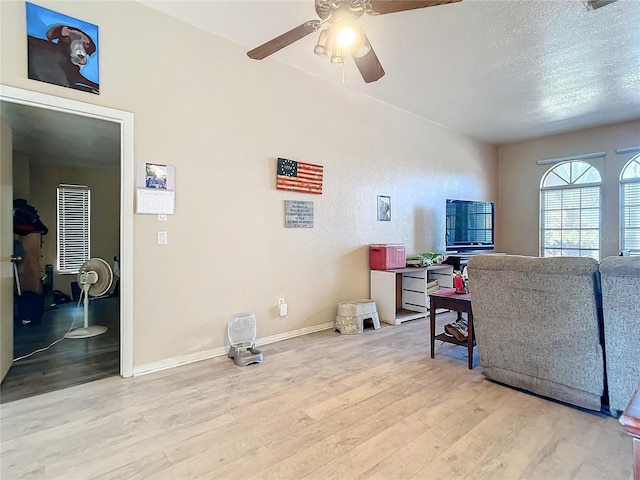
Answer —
123 122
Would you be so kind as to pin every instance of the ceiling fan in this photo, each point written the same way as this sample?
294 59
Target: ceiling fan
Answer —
341 36
595 4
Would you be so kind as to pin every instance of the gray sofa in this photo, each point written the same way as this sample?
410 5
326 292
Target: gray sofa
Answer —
539 326
620 278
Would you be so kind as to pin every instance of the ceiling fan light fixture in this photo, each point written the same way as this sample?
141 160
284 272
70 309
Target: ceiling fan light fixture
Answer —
323 47
346 37
337 56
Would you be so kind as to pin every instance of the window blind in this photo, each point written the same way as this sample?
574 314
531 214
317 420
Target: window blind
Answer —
631 217
570 222
74 202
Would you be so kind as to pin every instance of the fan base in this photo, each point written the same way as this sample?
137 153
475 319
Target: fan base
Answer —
85 332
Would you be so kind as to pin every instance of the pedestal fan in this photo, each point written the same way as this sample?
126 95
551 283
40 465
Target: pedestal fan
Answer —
95 277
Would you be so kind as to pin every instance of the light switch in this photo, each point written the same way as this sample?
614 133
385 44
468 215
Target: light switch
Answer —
162 237
162 217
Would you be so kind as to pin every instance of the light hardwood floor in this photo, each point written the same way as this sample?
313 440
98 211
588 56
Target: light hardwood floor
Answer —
322 406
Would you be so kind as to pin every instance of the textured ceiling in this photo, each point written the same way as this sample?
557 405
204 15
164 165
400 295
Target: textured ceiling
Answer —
497 70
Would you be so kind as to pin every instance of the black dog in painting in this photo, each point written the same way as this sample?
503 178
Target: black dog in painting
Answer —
59 62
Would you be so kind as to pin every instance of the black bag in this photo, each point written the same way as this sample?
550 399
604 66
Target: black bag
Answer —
26 219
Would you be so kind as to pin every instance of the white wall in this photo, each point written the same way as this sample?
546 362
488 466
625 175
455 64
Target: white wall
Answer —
520 177
222 119
21 176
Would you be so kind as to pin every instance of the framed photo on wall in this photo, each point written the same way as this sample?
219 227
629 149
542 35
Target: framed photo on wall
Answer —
384 208
62 50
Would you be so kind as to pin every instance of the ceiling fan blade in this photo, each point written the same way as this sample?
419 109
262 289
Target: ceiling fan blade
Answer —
278 43
369 66
595 4
380 7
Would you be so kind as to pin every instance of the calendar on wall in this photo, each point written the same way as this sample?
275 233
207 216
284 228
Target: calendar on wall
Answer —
155 189
153 202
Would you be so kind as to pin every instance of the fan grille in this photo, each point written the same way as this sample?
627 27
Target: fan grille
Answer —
104 273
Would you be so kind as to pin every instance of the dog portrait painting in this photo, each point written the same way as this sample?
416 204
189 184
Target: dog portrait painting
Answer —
62 50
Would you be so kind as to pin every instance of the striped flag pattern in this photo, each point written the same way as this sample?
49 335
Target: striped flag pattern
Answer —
299 177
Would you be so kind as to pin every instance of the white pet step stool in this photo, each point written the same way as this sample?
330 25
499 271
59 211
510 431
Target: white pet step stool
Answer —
352 314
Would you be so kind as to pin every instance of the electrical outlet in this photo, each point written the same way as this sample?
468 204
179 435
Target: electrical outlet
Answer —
280 300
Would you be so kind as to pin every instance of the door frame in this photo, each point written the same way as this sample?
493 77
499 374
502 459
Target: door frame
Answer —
127 172
7 269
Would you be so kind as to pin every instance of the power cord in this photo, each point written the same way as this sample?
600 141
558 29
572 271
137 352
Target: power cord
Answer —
57 341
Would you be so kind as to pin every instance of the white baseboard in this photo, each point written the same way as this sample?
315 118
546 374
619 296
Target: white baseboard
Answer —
293 333
220 351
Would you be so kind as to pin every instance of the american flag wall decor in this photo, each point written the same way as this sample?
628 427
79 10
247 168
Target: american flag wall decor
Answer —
299 177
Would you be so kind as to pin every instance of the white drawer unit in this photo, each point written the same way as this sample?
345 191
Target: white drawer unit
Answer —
414 287
401 294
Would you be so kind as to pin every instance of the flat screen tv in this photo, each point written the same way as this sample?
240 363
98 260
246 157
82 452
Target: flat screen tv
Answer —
469 226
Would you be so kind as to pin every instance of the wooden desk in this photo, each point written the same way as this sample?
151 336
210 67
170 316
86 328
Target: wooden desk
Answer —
630 420
447 298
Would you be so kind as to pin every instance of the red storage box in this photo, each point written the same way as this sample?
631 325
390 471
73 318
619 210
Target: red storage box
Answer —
387 256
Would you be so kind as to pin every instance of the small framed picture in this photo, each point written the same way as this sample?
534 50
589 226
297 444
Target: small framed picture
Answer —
384 208
156 176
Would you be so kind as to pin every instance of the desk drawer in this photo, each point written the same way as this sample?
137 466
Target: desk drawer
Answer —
418 273
413 300
413 284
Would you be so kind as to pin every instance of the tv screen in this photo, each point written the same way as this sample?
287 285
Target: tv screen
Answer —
469 225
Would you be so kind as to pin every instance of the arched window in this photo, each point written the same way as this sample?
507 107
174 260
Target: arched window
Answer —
630 206
570 211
